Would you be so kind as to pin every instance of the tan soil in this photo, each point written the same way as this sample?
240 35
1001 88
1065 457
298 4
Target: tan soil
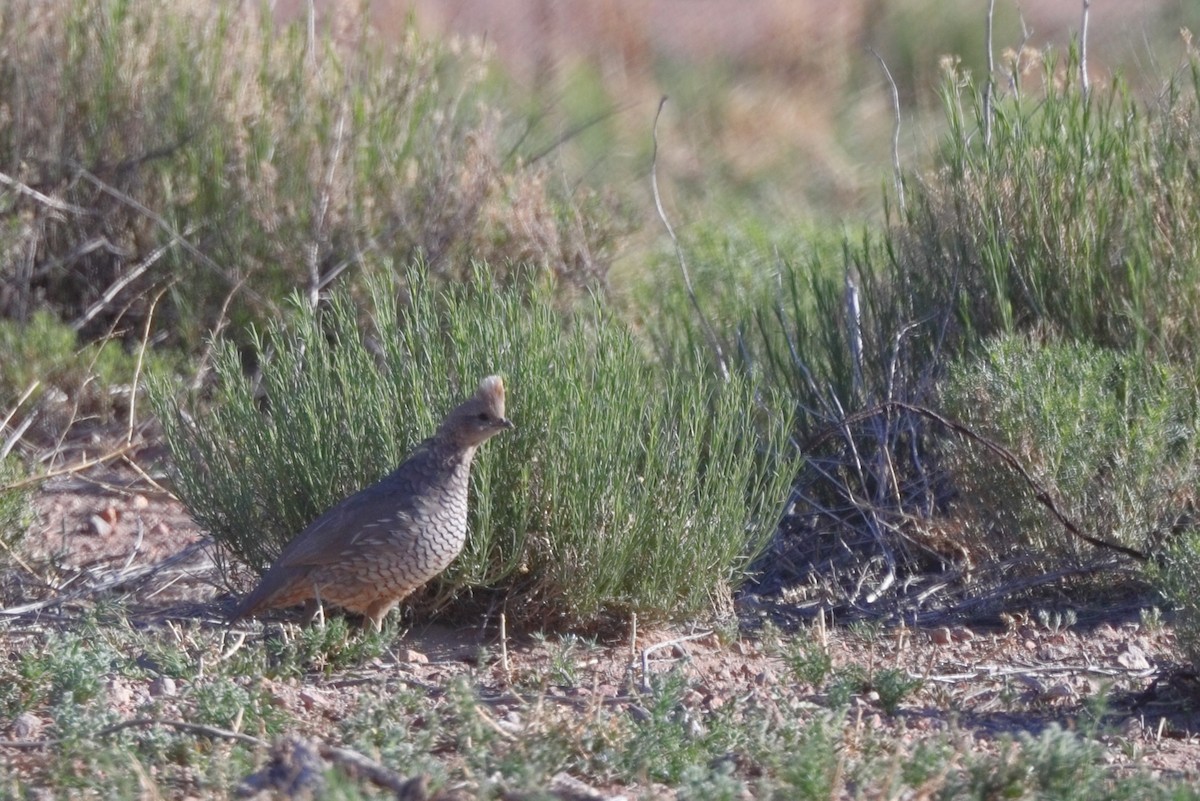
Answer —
980 684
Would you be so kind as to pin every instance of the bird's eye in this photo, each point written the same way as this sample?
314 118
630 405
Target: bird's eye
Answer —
484 417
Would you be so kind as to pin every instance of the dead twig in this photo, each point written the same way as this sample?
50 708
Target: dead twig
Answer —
11 441
1084 83
898 174
79 466
200 729
175 235
713 342
660 646
1041 493
989 88
124 576
45 200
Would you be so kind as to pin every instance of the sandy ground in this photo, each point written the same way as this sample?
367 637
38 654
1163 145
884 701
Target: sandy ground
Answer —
110 535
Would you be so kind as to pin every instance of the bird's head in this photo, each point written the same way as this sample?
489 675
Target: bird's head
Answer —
480 417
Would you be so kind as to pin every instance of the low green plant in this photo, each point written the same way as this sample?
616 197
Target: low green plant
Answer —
1056 620
893 685
48 368
845 683
565 654
323 648
16 507
1111 437
1055 763
667 738
1177 574
66 670
625 487
809 661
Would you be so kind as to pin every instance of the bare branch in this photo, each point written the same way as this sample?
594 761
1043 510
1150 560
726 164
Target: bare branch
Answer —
315 281
1083 36
898 175
1041 493
115 288
137 368
45 200
162 223
989 87
687 278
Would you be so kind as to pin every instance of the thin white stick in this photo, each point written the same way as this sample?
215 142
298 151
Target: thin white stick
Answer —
990 87
1083 33
504 647
687 277
898 175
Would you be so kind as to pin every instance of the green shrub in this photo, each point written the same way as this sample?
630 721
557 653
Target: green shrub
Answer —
202 148
1078 221
773 298
624 487
1079 217
73 382
1114 440
1177 575
16 510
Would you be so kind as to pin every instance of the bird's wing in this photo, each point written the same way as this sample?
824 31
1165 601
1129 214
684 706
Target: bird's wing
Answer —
350 526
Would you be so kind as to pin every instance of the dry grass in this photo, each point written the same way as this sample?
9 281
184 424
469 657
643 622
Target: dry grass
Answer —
202 148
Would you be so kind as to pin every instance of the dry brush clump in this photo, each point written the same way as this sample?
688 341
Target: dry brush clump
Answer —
203 148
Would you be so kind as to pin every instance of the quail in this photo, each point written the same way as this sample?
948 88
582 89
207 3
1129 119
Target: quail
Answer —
374 548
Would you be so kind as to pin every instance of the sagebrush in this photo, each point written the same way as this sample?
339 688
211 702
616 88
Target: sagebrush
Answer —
625 487
203 149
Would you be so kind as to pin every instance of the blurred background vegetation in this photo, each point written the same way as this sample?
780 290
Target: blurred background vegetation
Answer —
211 198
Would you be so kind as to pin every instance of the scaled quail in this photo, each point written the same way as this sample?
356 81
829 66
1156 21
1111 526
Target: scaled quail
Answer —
370 551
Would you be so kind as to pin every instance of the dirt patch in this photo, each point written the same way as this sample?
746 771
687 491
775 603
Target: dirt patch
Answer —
111 537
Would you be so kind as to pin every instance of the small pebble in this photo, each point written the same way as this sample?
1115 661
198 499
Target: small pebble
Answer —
413 657
27 726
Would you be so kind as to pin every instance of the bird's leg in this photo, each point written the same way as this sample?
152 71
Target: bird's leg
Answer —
314 609
378 610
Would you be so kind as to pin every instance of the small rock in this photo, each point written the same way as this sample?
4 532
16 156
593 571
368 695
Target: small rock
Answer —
1133 657
119 693
163 687
1060 690
564 785
310 699
413 657
99 526
139 502
940 636
26 726
962 634
111 515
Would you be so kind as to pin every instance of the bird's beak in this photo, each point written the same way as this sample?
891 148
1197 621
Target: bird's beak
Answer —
504 422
